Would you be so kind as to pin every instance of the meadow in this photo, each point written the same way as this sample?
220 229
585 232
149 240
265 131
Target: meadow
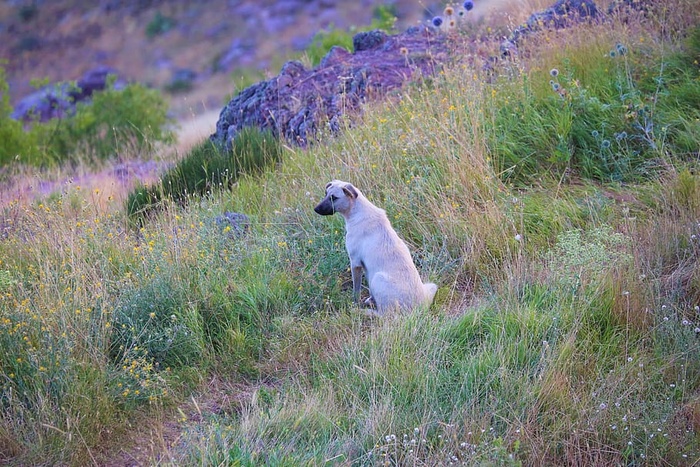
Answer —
554 197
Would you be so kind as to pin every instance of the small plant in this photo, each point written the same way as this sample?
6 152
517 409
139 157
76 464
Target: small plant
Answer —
160 24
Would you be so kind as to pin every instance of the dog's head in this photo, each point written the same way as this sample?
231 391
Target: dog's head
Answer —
340 197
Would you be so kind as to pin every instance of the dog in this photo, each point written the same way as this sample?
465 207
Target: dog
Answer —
376 250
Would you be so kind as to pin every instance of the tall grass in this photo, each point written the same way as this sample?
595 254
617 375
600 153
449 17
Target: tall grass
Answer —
565 330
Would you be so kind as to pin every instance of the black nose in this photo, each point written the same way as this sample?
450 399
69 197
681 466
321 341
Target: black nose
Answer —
324 208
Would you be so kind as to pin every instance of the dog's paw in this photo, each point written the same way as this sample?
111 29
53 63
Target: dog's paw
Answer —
370 303
372 313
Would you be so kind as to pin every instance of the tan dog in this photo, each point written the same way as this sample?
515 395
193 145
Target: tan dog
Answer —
375 248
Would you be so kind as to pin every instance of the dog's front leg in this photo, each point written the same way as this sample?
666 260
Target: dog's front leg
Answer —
357 271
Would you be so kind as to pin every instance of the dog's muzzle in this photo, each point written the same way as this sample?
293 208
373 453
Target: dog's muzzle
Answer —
325 207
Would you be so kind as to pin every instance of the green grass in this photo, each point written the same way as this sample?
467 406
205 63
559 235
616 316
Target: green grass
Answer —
565 330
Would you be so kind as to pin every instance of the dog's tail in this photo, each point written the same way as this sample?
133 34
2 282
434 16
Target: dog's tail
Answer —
430 290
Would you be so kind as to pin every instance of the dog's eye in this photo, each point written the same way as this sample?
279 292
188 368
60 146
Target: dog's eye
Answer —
334 198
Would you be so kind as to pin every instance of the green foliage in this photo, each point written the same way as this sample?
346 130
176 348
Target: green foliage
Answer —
384 18
324 41
609 129
577 257
115 121
572 343
160 24
156 320
209 167
15 144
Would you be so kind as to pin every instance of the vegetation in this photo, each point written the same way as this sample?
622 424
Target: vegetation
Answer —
384 18
209 167
565 331
113 122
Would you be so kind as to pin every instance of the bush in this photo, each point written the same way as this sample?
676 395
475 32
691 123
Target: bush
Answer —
117 120
208 167
14 142
160 24
113 122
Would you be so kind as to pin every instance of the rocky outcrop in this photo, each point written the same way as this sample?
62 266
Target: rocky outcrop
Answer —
299 102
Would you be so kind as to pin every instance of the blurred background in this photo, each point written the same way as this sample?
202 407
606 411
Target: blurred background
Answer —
198 53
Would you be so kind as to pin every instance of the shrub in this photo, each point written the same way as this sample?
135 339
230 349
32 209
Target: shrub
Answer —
208 167
156 321
160 24
15 144
115 121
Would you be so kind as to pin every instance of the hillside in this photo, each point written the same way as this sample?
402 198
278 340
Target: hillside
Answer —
552 195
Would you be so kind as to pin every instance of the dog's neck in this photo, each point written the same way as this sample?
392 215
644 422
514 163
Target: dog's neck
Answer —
362 212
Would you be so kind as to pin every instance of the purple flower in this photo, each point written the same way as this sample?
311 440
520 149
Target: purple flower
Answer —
468 5
437 21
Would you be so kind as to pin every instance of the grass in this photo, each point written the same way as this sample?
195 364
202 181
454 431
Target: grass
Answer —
565 330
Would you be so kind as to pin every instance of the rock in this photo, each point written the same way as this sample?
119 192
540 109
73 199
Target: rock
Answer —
299 102
181 80
368 40
560 15
59 99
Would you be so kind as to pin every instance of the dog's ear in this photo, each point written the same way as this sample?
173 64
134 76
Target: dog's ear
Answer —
350 191
328 185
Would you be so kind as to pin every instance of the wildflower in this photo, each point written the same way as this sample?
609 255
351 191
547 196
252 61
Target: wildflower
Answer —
555 86
403 51
595 133
605 144
621 49
603 406
613 54
518 237
448 11
685 322
468 5
554 72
